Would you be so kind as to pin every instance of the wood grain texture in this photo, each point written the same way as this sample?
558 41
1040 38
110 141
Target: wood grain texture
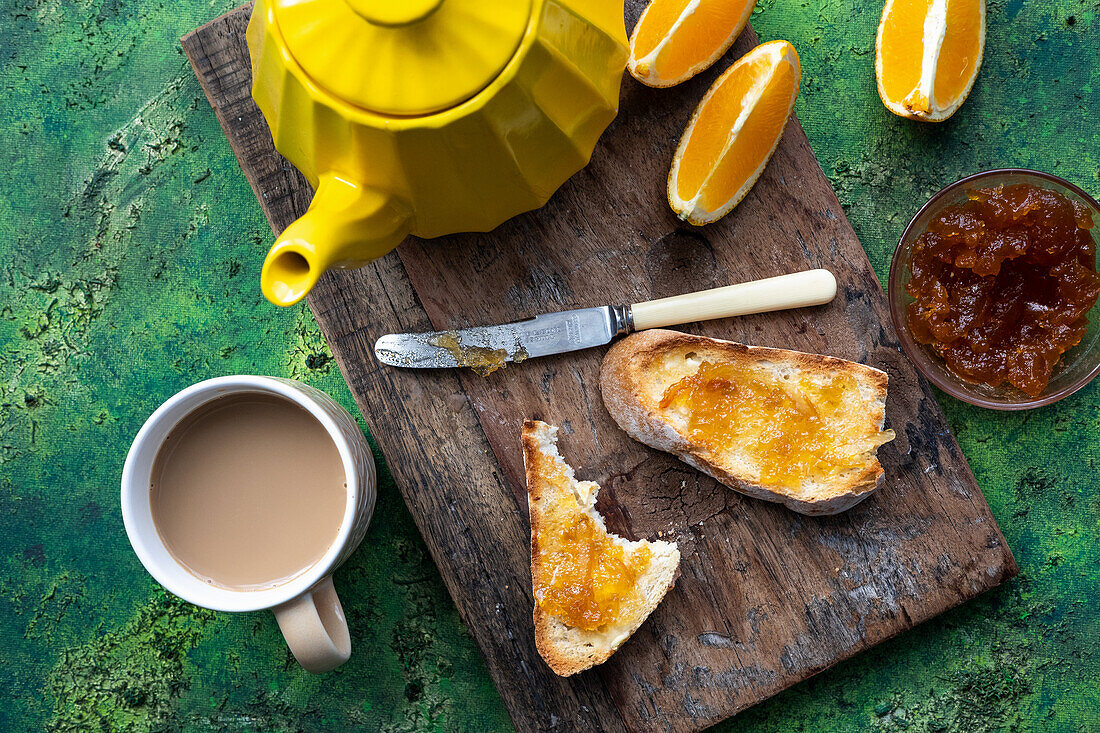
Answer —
767 597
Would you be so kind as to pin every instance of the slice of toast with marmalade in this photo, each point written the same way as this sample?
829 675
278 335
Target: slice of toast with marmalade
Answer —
786 426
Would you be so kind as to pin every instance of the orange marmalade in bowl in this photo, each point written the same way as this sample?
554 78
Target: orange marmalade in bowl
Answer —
1002 284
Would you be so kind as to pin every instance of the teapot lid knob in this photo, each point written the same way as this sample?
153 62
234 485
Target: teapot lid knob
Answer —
394 13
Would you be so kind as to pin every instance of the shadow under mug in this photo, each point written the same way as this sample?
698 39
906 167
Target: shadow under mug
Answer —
307 607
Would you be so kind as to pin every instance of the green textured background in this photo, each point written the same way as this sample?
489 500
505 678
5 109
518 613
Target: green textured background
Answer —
129 250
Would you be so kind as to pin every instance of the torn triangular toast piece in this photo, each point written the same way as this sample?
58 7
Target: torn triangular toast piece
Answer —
592 589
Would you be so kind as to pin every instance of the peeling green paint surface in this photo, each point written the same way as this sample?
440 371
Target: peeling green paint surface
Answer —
129 250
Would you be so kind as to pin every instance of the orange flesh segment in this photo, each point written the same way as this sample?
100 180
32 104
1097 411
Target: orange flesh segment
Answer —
795 429
902 52
754 142
903 47
660 16
715 163
686 35
712 129
700 36
959 52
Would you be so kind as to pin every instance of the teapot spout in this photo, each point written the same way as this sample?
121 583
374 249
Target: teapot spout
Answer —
347 225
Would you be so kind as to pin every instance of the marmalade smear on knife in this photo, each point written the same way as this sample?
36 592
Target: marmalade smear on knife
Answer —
582 576
1002 284
482 359
796 429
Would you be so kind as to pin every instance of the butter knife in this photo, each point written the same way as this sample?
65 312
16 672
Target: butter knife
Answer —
486 348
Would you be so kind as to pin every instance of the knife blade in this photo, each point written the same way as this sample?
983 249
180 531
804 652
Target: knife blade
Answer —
487 348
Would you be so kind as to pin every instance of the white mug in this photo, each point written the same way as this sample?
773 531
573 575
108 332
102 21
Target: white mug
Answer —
307 608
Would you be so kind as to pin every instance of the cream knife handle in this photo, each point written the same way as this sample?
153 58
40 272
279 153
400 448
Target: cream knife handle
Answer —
812 287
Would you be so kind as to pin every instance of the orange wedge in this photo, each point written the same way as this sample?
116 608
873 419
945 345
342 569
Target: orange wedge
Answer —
676 39
927 55
733 133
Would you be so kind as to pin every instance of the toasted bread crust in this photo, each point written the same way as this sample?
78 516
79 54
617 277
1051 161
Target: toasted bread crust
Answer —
624 379
535 467
569 650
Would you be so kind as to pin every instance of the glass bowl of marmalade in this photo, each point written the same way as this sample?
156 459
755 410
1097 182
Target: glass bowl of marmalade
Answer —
993 289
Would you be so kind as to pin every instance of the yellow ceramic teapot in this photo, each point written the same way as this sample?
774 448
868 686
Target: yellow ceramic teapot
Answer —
426 117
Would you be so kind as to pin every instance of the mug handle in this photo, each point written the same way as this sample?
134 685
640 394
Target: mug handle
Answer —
315 629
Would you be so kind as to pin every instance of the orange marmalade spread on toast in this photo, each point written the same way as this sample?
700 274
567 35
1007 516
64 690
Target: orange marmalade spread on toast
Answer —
582 576
794 429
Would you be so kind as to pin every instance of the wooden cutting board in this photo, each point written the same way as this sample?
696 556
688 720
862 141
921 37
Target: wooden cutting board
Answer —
767 597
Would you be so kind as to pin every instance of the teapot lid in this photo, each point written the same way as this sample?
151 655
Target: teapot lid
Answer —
402 57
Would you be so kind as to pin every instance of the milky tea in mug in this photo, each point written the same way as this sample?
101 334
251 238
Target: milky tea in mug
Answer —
248 491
